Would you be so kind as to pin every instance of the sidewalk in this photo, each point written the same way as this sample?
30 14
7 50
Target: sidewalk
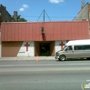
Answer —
28 58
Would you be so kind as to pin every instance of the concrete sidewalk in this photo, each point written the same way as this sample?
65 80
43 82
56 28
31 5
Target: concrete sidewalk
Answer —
28 58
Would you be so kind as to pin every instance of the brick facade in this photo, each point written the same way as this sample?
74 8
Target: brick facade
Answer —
84 14
4 15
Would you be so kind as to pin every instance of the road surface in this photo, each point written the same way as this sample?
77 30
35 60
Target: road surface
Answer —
44 75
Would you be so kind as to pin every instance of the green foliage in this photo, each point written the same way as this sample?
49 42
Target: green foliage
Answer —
19 19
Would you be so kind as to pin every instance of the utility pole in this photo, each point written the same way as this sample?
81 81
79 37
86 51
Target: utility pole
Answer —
44 13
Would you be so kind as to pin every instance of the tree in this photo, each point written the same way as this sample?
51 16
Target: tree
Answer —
19 19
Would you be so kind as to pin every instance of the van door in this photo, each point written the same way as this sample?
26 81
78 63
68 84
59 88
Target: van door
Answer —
69 52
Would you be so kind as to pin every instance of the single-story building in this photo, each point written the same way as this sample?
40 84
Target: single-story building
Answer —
39 38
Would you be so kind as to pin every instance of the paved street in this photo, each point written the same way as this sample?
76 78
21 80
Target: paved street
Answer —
44 75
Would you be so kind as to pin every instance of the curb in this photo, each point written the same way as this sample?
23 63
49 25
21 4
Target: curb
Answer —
26 58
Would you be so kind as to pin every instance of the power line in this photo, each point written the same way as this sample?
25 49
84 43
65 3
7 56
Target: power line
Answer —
51 16
43 13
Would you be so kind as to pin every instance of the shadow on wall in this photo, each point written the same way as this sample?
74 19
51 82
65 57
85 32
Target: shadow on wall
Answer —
43 37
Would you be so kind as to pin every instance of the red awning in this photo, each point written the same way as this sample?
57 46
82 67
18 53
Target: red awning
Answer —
31 31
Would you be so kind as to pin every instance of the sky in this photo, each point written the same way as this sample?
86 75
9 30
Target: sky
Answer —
55 10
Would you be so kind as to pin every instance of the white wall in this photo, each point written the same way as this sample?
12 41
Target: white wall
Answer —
57 45
23 52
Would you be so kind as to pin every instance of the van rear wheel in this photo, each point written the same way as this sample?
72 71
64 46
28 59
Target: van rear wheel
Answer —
62 58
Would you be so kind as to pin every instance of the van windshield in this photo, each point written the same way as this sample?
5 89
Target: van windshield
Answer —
63 48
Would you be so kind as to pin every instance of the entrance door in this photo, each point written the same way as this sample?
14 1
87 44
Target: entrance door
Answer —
44 49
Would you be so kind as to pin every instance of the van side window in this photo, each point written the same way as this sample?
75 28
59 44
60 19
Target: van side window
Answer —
76 48
69 48
87 47
82 47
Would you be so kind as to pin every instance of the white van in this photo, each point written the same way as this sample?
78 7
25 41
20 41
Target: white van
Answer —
74 49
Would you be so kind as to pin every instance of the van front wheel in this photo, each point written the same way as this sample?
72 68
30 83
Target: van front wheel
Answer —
62 58
88 58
